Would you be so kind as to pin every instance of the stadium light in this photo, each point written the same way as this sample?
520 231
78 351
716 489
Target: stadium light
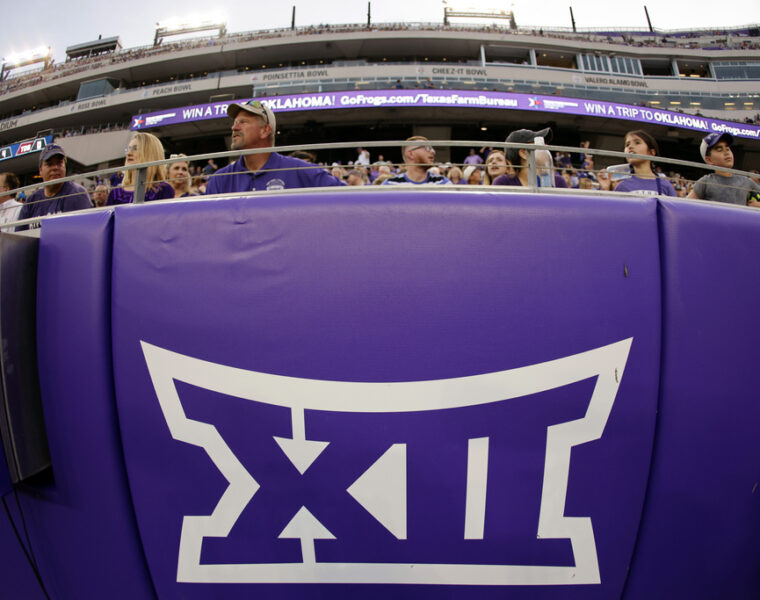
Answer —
21 59
190 24
475 13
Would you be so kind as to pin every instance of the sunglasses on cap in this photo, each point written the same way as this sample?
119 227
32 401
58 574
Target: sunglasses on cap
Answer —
259 108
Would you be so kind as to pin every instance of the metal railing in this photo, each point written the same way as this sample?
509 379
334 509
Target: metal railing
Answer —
140 178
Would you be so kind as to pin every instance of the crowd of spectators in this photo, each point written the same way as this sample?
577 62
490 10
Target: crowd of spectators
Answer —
100 128
254 125
717 39
253 128
492 166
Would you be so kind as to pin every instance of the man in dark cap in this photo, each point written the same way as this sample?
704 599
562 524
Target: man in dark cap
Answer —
254 126
56 198
519 159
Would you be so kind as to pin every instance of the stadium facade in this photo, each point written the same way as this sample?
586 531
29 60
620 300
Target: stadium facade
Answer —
358 83
368 392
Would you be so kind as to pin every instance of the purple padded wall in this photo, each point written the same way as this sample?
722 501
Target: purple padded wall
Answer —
15 573
487 364
700 535
82 524
362 307
16 576
5 478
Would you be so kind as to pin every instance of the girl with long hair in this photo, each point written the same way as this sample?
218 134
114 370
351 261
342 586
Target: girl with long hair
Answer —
143 147
496 164
643 179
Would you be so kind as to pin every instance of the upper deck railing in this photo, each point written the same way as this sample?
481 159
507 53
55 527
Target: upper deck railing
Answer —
608 35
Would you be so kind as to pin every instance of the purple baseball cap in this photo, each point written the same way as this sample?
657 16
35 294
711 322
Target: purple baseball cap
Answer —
51 150
711 140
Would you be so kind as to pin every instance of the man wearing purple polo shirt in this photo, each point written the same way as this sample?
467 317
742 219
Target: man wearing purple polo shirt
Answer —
254 126
57 198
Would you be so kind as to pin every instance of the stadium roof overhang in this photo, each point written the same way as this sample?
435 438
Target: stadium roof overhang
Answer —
111 44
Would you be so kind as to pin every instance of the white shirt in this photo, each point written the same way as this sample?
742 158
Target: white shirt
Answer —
9 211
363 158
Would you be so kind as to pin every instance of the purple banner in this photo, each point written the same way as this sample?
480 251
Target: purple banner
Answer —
452 98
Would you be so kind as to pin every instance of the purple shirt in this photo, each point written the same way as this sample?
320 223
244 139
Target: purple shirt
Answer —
473 159
300 174
657 186
71 197
559 181
121 196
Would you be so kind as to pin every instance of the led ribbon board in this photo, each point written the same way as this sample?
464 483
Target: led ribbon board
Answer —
453 99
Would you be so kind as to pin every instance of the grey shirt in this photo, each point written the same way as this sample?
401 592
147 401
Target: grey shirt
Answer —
731 190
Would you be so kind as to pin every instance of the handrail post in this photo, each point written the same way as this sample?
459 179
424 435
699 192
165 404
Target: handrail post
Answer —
532 169
140 176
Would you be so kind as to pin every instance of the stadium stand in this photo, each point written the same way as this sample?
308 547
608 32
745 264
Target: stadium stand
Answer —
560 364
103 89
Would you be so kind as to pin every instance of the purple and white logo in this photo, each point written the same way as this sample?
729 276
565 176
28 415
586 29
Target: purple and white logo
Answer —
275 184
379 489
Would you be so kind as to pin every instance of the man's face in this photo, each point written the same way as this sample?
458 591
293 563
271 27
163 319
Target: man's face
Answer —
249 131
720 156
53 168
354 179
424 154
100 195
